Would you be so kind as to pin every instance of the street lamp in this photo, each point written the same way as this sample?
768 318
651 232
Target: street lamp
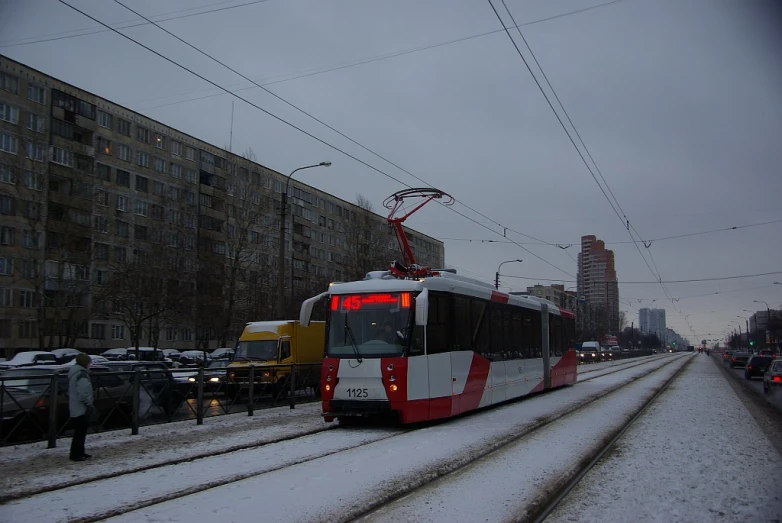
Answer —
281 256
497 274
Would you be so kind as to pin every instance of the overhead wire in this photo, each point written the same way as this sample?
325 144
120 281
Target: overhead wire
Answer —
655 282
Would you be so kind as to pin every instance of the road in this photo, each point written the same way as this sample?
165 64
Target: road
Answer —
756 384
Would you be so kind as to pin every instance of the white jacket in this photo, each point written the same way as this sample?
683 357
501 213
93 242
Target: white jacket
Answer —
79 391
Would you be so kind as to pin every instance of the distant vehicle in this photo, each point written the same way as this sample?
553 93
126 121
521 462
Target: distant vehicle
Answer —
590 352
757 366
115 354
690 348
772 379
214 376
272 344
195 357
65 355
726 356
222 353
739 359
29 358
171 353
768 352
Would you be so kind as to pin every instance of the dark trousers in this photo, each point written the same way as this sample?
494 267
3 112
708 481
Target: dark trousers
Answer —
80 425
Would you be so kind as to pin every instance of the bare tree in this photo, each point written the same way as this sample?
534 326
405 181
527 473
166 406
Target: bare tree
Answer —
367 239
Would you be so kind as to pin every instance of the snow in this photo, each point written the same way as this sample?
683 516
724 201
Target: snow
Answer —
265 326
32 468
512 480
345 482
718 468
26 358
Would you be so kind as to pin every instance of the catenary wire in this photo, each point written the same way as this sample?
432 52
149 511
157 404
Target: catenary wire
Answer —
656 282
288 123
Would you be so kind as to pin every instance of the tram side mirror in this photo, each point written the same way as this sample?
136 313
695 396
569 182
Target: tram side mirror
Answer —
422 308
306 308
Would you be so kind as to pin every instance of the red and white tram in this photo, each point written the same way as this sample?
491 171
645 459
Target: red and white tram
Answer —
425 344
437 347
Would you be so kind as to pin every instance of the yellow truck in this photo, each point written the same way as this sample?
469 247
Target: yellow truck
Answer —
273 348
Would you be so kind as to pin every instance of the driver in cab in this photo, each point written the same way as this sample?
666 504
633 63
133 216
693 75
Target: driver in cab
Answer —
388 334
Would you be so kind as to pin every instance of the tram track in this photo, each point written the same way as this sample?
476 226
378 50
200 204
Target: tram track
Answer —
450 470
444 469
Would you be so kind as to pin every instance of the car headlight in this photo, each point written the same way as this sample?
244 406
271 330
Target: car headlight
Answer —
191 379
593 354
214 380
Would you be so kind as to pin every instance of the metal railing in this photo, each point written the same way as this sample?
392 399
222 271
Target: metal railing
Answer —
132 399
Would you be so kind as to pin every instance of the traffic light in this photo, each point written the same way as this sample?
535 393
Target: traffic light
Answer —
674 344
751 343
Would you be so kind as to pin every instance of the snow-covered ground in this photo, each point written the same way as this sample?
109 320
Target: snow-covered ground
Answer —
352 475
695 455
32 467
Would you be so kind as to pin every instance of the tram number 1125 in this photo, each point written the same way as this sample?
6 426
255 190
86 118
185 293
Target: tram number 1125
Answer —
358 393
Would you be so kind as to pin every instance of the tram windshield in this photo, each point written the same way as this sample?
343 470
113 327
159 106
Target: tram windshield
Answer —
369 325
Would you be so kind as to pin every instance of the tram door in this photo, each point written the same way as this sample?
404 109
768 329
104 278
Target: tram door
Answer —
546 346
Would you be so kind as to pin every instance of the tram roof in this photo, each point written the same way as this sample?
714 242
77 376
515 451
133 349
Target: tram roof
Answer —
381 281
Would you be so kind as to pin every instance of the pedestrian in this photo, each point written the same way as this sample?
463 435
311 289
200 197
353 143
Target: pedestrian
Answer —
80 405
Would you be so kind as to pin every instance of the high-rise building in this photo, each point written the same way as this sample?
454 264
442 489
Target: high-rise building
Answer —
596 280
652 321
116 227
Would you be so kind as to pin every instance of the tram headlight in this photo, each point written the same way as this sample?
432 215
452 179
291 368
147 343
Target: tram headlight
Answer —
328 388
392 388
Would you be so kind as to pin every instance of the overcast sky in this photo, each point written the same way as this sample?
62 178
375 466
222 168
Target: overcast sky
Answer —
677 100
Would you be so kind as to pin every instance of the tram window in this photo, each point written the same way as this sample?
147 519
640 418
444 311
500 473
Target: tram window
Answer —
438 324
531 333
495 314
480 327
462 339
417 341
516 341
555 335
507 333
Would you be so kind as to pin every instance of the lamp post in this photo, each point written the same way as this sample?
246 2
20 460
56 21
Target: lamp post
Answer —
497 274
281 256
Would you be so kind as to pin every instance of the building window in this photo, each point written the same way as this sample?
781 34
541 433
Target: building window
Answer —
7 235
157 212
140 232
122 228
160 141
101 198
6 298
187 335
28 329
7 174
36 93
174 193
103 172
26 299
160 165
176 148
123 203
104 145
9 83
104 119
62 157
123 178
218 247
190 175
6 266
33 151
32 181
142 134
141 207
158 189
120 254
142 159
9 113
31 210
175 170
31 239
98 331
124 152
123 127
6 205
188 243
30 269
142 183
101 224
101 251
117 332
190 153
171 333
8 143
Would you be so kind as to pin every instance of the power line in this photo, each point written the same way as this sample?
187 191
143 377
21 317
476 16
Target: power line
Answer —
290 124
325 124
655 282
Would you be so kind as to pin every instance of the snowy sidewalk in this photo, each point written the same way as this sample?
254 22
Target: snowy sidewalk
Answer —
695 455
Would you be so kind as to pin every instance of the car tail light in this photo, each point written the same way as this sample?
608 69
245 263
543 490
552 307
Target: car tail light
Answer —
749 367
777 378
40 403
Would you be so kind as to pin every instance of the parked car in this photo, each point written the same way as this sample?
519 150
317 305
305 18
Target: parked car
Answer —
115 354
757 366
65 355
214 376
195 357
739 359
223 353
156 381
30 358
772 379
26 401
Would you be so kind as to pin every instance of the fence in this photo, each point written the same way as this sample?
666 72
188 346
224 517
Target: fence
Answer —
145 396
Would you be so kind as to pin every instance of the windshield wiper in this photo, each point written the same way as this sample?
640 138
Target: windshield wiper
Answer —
352 338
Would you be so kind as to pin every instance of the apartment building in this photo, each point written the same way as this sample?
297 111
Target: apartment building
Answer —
115 227
596 279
